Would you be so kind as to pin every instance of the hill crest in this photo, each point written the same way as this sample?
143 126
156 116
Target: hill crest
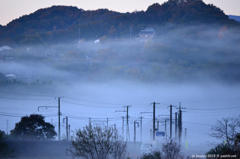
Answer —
67 21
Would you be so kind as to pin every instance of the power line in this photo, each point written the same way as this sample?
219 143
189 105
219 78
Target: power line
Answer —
211 115
86 104
93 101
82 117
22 115
196 123
212 100
23 98
101 102
26 94
216 108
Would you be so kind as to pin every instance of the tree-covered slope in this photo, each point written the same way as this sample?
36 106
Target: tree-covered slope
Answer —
65 22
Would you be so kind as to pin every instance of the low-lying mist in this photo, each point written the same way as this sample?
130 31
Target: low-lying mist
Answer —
96 79
185 54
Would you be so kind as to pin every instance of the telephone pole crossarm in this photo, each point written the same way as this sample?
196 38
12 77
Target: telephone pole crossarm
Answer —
46 107
120 111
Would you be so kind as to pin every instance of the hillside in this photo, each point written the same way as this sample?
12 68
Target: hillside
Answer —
237 18
61 23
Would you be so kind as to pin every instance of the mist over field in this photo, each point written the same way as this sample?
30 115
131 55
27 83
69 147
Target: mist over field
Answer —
212 55
95 79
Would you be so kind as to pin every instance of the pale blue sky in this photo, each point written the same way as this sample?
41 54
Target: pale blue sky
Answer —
12 9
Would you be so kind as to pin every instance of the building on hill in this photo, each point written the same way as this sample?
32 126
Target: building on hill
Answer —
146 34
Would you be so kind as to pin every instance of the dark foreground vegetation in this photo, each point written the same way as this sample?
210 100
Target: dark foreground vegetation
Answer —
101 142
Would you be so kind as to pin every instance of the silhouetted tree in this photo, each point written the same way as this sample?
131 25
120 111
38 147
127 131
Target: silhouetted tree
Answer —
226 129
5 151
97 143
33 127
171 149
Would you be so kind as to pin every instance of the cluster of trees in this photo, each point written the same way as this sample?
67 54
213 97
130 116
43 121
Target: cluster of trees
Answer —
96 142
100 142
171 149
157 59
61 23
228 131
31 127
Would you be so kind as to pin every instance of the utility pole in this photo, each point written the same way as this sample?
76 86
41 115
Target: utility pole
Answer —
180 126
153 120
127 126
123 127
154 129
122 121
151 133
165 125
170 121
67 128
89 121
185 134
135 130
180 122
176 125
69 132
141 128
59 114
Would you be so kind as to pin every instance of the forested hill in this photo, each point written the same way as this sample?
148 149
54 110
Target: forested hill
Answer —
67 22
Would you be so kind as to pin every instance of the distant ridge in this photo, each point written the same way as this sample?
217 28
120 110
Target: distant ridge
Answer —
237 18
58 23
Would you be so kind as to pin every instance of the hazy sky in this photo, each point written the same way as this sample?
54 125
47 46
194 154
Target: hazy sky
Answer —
12 9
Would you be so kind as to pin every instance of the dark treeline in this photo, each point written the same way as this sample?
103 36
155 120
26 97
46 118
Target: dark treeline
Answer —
63 23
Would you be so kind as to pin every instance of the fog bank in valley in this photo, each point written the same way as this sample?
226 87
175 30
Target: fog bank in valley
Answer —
95 79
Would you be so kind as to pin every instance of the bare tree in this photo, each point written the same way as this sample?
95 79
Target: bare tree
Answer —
171 149
97 143
152 155
226 129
